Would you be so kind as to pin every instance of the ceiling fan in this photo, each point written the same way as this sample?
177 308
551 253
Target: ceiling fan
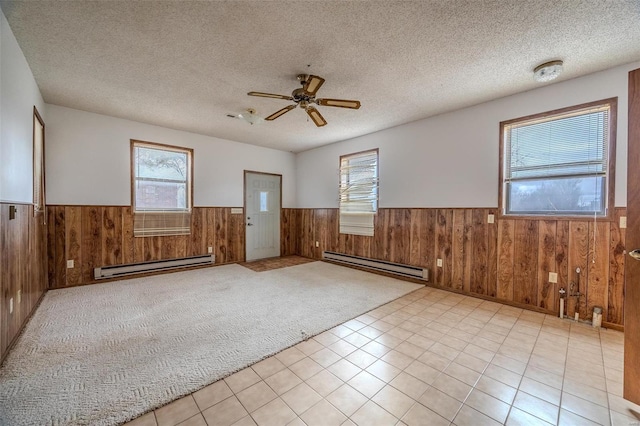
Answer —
304 97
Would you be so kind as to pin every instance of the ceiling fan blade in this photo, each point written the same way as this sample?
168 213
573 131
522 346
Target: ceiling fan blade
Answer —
316 116
341 103
270 95
312 84
280 112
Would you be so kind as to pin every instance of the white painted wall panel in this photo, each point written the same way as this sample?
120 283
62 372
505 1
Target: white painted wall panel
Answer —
18 95
88 161
451 160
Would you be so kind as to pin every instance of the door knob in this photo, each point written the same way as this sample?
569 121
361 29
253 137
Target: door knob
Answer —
635 254
249 224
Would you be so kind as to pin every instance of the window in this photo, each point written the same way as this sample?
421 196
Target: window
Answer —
161 189
38 163
559 163
358 192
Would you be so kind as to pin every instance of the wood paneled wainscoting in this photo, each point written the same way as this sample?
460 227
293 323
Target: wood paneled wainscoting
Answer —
95 236
508 260
23 269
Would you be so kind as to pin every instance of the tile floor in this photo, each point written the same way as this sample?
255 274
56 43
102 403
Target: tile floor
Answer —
428 358
275 263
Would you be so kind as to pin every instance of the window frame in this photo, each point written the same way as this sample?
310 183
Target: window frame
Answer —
39 176
154 145
611 162
366 151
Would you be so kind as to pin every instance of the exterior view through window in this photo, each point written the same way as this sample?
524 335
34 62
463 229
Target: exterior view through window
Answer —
558 163
358 192
161 189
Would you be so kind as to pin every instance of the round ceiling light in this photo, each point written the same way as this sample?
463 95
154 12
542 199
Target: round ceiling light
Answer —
547 71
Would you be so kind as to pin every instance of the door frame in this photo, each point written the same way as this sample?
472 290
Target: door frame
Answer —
244 208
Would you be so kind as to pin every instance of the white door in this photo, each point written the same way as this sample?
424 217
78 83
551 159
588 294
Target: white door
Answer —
262 210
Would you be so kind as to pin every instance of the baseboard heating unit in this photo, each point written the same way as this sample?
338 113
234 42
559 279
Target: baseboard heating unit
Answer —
379 265
153 266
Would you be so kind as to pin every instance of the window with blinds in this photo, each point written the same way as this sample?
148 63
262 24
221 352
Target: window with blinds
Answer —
358 192
558 163
161 189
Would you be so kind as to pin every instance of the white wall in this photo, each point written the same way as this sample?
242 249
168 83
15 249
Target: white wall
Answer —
452 160
18 95
88 161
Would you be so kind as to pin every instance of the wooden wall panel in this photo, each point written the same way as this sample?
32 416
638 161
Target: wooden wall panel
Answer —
23 268
578 253
598 267
95 236
509 259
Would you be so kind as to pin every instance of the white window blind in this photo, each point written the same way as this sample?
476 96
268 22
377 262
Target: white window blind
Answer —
161 190
558 165
358 192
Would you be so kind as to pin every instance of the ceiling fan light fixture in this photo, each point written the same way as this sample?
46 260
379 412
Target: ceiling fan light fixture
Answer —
547 71
250 117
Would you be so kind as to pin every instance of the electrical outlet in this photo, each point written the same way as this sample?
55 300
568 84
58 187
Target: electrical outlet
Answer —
439 263
70 264
553 277
11 305
491 219
19 297
209 250
317 243
623 222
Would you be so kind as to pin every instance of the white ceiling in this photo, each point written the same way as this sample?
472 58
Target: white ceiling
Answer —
186 64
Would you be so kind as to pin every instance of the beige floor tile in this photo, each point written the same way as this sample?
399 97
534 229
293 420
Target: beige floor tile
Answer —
371 414
361 358
325 357
567 418
462 373
585 409
521 418
275 413
471 362
283 381
550 379
452 387
440 403
585 392
420 415
268 367
444 351
370 332
196 420
342 348
389 341
537 407
347 399
488 405
421 341
496 389
397 359
309 347
399 333
326 339
376 349
509 363
176 412
242 379
383 370
355 325
467 416
324 383
256 396
394 401
620 419
453 342
366 383
503 375
410 349
245 421
344 370
357 339
225 413
148 419
409 385
296 422
540 390
290 356
434 360
305 368
422 371
341 331
212 394
301 398
323 414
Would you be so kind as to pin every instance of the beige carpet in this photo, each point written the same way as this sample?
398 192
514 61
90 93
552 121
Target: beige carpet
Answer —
104 354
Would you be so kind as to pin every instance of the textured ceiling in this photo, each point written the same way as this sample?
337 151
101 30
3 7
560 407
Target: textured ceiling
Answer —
186 65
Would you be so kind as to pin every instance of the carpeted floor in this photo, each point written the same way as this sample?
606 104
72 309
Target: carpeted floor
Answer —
106 353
